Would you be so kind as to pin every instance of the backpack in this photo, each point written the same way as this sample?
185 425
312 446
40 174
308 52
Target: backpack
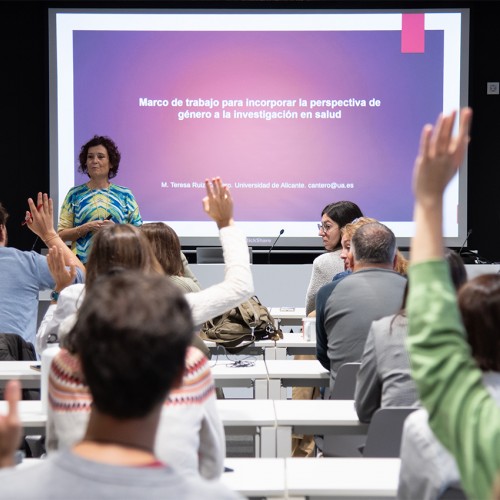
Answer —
241 326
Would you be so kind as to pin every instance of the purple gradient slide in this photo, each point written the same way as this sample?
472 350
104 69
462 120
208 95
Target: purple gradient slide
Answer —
293 120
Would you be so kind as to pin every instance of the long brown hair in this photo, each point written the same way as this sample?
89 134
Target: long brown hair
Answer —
119 246
166 247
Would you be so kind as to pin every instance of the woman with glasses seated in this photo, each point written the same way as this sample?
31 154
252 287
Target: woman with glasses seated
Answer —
333 218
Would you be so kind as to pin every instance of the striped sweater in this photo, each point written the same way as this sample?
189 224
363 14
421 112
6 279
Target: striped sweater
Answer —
190 436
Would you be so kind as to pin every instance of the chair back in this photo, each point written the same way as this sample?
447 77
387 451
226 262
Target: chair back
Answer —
453 492
345 381
385 431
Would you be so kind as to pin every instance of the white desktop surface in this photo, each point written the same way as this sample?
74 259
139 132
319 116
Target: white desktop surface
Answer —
317 412
288 313
249 412
292 339
255 476
332 417
30 413
297 369
342 477
226 375
223 370
20 370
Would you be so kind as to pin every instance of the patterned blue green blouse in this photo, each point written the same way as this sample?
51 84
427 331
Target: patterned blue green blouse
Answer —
83 204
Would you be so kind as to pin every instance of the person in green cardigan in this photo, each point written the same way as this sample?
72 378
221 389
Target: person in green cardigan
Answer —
462 414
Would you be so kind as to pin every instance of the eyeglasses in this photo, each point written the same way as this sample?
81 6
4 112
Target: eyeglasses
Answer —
325 227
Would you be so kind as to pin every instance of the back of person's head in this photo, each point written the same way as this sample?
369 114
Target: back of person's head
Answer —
342 212
349 229
479 303
4 215
119 246
166 247
114 154
458 272
402 263
374 243
131 334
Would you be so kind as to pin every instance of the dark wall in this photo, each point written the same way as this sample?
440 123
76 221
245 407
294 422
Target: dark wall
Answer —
25 110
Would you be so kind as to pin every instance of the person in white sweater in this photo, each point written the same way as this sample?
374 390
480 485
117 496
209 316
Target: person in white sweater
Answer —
132 335
192 409
333 218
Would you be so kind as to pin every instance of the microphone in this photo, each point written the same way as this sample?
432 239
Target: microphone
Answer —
465 241
270 250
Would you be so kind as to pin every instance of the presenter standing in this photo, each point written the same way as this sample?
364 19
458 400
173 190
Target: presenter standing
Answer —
97 203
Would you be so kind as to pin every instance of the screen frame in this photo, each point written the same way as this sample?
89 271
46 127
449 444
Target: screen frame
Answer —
291 242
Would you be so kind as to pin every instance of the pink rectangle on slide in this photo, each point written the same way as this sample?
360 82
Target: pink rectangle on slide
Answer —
412 33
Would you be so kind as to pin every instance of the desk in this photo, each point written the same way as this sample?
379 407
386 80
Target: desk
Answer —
342 477
242 416
294 372
20 370
315 416
30 412
254 376
291 343
286 316
256 477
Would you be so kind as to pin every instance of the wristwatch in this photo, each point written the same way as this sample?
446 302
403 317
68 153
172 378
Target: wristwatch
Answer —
54 295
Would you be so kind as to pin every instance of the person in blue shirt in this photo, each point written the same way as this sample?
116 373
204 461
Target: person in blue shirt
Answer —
24 274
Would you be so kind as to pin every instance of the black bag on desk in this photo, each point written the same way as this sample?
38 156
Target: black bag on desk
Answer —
241 326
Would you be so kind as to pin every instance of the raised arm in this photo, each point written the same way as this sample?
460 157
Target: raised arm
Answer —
462 414
237 285
438 160
218 203
40 219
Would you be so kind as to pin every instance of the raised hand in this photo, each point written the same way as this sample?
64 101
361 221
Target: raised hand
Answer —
440 156
218 203
40 217
438 160
62 275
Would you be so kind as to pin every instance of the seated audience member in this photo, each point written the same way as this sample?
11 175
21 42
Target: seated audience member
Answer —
145 322
236 287
333 218
25 274
346 308
167 248
193 405
347 233
427 468
384 377
462 413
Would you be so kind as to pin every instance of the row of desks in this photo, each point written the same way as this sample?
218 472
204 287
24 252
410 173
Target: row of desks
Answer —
348 478
292 343
311 478
271 421
268 378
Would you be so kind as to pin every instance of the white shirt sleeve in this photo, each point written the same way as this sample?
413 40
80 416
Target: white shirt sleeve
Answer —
237 285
